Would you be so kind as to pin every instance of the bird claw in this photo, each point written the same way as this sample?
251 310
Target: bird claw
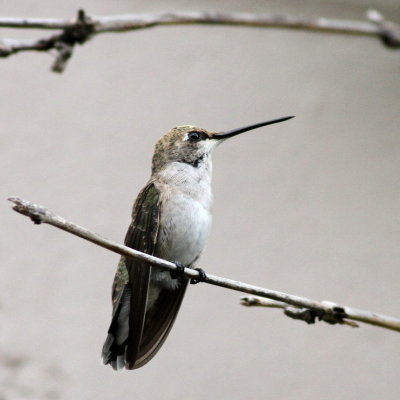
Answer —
201 278
178 272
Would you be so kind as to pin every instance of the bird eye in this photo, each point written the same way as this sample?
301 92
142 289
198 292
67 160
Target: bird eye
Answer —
194 136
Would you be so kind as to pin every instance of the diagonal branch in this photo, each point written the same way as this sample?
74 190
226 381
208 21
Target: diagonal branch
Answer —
326 311
86 27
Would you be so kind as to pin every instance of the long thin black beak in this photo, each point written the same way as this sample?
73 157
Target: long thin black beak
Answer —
234 132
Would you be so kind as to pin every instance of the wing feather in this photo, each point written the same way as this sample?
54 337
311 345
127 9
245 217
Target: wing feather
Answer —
131 283
147 327
141 235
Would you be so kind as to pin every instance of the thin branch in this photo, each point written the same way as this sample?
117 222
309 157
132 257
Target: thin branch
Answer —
326 311
121 23
86 27
303 314
77 32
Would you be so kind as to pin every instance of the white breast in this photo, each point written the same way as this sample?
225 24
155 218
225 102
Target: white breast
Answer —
184 228
185 218
185 212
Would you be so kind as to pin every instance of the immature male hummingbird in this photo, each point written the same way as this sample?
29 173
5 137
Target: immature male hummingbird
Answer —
171 219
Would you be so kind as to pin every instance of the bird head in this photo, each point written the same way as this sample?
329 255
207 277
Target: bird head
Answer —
191 145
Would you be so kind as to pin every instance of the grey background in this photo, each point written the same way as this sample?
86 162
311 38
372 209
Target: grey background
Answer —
309 207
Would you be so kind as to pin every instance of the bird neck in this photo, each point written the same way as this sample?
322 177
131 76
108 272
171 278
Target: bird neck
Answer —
194 181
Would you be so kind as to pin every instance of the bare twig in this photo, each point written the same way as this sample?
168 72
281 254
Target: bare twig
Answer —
84 27
304 314
77 32
390 32
326 311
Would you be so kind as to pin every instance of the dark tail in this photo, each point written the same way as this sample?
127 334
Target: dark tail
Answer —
113 352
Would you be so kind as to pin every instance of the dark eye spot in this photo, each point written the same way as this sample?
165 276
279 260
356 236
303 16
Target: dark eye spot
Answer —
195 136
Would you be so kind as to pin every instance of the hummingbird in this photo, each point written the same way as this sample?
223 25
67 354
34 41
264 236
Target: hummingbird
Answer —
171 219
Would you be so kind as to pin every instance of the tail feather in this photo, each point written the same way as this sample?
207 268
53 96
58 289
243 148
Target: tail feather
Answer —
114 347
135 337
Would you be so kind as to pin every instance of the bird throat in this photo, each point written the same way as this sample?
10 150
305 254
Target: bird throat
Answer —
195 163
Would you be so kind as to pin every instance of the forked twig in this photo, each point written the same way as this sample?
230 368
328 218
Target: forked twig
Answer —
84 27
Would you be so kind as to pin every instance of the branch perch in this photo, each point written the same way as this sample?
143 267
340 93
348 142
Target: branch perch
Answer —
326 311
84 27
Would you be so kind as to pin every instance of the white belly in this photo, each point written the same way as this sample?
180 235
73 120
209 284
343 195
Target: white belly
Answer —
184 228
185 220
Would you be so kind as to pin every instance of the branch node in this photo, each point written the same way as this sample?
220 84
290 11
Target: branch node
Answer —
328 312
79 33
249 301
64 53
389 31
303 314
5 51
36 213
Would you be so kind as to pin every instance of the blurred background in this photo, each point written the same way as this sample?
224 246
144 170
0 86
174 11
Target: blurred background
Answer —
309 207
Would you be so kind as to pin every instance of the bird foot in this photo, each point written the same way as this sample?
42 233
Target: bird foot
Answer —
178 272
201 278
